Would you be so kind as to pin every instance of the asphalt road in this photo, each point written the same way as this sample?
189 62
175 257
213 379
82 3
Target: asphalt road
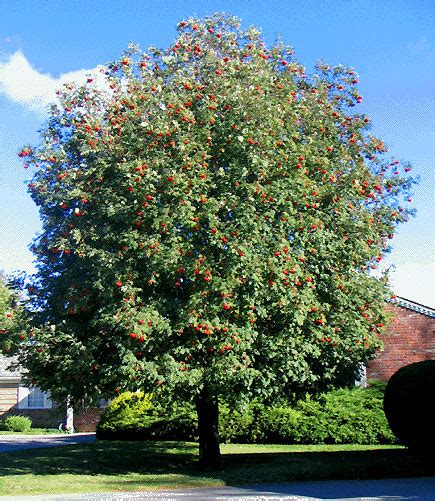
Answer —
10 443
387 489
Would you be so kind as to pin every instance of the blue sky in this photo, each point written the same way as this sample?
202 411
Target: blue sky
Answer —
390 43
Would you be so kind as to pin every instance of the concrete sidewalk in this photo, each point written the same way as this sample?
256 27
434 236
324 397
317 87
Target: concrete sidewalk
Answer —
422 489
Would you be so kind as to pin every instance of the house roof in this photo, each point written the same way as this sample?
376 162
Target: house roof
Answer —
412 305
5 372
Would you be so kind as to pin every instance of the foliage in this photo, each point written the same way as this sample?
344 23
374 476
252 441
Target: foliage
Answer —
211 213
17 423
12 324
408 405
140 416
129 411
337 417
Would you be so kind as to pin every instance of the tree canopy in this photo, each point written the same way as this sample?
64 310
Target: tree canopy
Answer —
211 215
12 324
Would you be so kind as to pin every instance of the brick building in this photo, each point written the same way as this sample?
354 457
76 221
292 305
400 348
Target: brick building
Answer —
409 338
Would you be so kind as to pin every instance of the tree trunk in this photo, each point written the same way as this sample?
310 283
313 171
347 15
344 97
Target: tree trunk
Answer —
207 407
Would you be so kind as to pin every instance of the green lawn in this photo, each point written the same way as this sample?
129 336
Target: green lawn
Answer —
123 466
32 431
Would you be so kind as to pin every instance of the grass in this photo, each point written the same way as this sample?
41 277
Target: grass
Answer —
126 466
32 431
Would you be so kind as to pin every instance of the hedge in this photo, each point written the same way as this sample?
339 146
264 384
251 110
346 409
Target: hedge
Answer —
338 417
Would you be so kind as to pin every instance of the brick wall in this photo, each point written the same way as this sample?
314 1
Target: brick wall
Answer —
410 338
87 419
41 418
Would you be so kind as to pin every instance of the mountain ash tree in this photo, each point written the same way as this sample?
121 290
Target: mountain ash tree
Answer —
211 215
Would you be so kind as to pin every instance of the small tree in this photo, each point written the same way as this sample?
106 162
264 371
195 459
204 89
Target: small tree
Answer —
210 217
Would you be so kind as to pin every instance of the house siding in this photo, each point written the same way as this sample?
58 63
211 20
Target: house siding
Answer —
8 396
85 420
41 418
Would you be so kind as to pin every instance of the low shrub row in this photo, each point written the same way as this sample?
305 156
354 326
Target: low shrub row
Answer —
338 417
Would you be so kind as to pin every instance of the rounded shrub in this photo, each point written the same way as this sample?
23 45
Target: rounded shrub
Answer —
409 405
18 423
128 414
141 416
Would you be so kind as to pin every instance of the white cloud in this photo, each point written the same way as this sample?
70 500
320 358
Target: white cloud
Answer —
21 83
415 282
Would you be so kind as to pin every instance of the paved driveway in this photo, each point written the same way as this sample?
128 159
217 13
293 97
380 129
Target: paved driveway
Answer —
10 443
421 489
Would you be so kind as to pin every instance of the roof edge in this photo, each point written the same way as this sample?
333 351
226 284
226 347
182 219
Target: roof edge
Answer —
412 305
10 379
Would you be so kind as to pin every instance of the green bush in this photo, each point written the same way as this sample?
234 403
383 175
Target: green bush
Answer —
337 417
141 416
356 416
128 412
276 425
17 423
235 425
409 405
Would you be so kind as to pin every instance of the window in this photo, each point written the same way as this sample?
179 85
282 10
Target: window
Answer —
33 398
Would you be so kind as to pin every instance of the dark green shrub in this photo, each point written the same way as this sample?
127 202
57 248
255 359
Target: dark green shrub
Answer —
277 425
285 424
355 416
337 417
311 428
181 425
409 405
18 423
235 426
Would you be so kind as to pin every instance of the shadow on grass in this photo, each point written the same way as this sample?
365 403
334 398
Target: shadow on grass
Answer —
178 460
100 458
